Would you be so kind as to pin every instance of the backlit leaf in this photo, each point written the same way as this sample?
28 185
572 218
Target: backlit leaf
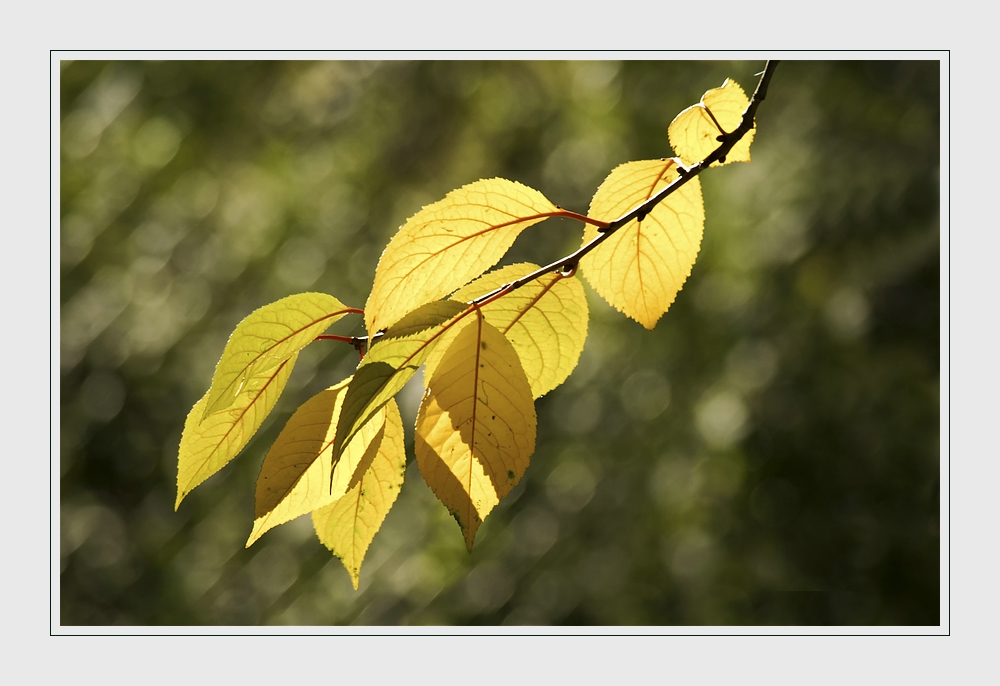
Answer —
445 245
207 446
296 475
390 363
348 525
476 425
545 320
266 338
694 133
640 268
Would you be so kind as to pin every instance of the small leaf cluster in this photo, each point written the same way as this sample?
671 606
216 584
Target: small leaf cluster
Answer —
491 343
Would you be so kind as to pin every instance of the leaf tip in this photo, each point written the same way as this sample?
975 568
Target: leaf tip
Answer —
259 529
181 494
470 534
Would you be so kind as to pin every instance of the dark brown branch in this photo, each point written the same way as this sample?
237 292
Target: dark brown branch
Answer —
570 262
566 266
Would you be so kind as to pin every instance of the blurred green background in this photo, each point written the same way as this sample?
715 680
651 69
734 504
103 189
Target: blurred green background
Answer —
768 455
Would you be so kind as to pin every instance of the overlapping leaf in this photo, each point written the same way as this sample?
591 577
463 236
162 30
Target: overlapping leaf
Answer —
390 363
266 338
296 475
640 268
449 243
476 425
694 133
348 525
207 446
545 320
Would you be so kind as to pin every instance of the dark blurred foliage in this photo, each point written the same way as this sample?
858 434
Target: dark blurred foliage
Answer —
769 454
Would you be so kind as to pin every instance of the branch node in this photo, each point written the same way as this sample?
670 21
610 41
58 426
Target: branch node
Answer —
568 270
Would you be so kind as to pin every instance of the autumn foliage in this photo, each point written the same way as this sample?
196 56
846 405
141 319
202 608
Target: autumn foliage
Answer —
490 342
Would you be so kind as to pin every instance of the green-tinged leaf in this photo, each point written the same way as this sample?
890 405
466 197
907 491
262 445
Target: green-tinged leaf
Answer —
423 318
641 267
545 320
694 133
207 446
447 244
476 425
390 363
296 475
348 525
266 338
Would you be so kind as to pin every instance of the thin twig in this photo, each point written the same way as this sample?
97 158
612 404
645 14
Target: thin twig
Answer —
357 342
570 262
567 265
335 337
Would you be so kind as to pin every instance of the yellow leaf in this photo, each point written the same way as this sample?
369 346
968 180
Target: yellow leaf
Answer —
694 132
296 475
266 338
476 425
348 525
207 446
447 244
640 268
545 320
390 363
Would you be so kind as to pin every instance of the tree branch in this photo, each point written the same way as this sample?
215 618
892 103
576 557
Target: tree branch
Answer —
567 265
